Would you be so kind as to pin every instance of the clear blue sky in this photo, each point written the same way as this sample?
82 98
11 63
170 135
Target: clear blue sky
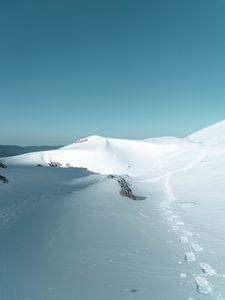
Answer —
119 68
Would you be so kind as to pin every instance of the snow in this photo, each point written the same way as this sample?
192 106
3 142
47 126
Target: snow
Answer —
102 155
207 269
190 256
67 233
213 134
203 285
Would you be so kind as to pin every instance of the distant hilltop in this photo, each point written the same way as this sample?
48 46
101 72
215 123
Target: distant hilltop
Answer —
11 150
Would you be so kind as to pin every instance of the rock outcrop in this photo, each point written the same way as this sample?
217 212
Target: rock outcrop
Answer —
2 165
4 179
55 164
125 189
82 140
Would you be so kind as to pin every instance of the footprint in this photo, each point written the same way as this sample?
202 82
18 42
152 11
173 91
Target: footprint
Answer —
170 220
190 256
203 286
196 247
174 216
183 275
207 269
183 240
188 203
175 228
180 223
187 233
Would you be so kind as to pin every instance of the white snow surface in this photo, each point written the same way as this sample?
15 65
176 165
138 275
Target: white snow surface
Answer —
67 233
213 134
117 156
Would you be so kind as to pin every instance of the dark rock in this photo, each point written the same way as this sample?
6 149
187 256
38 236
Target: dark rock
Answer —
3 179
39 165
125 189
55 164
2 165
82 140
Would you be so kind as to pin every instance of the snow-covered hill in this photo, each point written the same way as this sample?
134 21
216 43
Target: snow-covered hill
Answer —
110 156
68 233
213 134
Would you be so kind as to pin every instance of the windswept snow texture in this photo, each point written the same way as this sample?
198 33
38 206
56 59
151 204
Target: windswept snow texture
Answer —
67 232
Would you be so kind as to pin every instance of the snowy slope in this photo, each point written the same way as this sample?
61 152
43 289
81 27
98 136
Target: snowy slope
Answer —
60 240
106 155
213 134
67 233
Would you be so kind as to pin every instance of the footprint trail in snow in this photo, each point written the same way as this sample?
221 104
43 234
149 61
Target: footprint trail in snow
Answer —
192 249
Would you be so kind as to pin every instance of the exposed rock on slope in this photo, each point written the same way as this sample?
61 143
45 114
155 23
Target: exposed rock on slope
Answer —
3 179
2 165
55 164
125 189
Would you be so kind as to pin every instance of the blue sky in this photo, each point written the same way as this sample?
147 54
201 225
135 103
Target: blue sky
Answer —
119 68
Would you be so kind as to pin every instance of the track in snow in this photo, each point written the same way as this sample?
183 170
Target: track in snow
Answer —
192 249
